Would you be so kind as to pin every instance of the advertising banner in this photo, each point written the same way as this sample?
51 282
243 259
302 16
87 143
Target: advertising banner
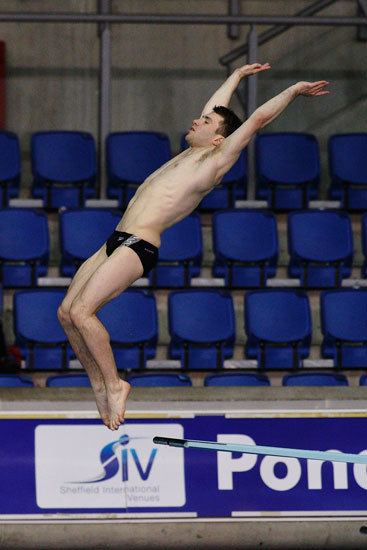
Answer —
50 467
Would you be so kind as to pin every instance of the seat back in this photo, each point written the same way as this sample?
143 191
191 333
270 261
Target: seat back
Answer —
317 237
63 156
203 316
236 379
320 236
131 320
68 381
37 330
24 246
315 379
35 315
245 245
288 168
277 315
159 380
245 235
14 381
364 243
287 157
343 315
133 156
180 254
343 324
82 232
347 158
348 169
10 157
24 235
182 241
202 327
278 326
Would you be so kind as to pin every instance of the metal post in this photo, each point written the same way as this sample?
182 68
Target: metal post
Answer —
104 93
251 103
234 8
362 12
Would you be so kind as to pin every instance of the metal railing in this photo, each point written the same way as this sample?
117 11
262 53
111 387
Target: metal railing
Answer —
275 31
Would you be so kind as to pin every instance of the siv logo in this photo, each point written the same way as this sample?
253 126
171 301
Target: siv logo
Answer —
81 465
109 458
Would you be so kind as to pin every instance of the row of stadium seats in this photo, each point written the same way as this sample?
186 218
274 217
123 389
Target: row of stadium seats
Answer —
183 380
64 168
202 328
245 245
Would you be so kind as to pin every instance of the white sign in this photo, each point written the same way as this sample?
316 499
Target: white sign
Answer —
83 466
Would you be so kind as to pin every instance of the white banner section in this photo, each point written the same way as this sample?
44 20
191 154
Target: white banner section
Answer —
81 466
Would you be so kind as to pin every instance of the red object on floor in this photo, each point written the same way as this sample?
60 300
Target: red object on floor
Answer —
2 85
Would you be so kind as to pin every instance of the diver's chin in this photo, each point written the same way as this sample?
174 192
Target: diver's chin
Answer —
188 139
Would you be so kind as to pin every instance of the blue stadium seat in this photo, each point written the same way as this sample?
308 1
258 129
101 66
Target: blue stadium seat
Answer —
159 380
232 187
278 327
82 232
315 379
130 158
24 246
131 320
202 328
288 169
14 381
344 326
363 380
348 169
364 244
236 379
245 245
10 167
38 332
68 381
63 167
321 248
180 254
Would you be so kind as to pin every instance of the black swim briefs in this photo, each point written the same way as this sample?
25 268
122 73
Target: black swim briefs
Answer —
148 253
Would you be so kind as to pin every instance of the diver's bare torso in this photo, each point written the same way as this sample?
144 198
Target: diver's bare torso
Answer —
172 192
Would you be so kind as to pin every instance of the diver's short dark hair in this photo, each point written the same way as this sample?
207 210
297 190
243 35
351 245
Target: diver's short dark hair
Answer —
230 121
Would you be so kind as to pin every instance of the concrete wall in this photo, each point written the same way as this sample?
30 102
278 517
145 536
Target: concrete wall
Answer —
162 75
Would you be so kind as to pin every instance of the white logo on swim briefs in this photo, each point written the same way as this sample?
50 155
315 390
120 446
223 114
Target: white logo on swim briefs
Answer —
130 240
85 466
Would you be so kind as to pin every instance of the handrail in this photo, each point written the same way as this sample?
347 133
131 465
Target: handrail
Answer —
182 19
274 31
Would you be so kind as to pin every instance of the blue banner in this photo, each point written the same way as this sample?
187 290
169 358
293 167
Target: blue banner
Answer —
78 466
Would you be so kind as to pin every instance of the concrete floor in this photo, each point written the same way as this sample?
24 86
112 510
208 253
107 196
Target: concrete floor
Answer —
264 534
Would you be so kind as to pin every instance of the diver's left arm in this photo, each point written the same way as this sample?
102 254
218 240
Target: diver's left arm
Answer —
222 96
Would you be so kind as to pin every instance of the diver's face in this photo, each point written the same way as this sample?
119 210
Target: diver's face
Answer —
203 131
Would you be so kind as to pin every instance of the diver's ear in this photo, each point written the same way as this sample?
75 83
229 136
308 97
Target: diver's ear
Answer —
217 140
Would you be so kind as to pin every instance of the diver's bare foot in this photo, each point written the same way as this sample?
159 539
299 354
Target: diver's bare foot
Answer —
100 394
117 396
